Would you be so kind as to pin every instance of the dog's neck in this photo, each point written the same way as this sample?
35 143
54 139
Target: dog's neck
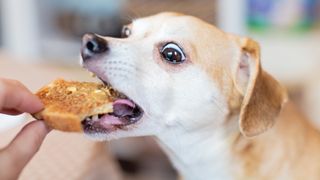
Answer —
220 153
201 154
273 154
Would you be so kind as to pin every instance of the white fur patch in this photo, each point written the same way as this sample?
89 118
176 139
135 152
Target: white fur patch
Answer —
184 109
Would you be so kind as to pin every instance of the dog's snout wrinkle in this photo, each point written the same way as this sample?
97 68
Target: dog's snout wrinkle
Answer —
93 45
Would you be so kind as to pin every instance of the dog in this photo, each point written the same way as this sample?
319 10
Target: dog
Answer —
204 96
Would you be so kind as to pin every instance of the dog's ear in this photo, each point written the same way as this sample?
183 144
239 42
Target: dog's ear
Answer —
263 96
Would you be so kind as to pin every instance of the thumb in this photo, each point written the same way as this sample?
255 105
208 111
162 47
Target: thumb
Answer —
25 145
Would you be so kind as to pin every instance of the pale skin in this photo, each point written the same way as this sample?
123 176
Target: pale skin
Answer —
15 99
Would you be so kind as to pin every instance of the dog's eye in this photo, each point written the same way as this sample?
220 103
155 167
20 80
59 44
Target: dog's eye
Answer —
172 53
126 32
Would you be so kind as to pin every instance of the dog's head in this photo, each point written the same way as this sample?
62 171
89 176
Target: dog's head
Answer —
183 73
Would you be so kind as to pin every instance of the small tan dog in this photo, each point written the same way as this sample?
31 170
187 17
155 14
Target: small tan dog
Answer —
203 94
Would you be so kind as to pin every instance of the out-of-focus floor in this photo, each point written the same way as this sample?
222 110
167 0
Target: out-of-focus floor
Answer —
60 157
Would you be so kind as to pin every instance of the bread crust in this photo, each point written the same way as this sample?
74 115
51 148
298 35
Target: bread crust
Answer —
67 103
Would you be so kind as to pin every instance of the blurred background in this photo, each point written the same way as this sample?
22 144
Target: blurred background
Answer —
40 41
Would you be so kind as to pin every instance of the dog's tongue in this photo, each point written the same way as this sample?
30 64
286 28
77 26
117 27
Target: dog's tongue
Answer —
121 108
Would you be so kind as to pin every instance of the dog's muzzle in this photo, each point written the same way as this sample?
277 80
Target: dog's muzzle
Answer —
125 111
93 45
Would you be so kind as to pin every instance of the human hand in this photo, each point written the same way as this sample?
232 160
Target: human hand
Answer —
15 99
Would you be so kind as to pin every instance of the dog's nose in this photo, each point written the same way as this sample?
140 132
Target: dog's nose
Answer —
93 45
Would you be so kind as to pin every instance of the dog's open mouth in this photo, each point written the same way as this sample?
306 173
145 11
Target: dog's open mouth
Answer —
125 112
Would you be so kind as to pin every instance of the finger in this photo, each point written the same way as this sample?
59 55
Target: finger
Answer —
10 112
15 96
26 143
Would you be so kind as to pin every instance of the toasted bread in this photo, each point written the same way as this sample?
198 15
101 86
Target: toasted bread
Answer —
68 103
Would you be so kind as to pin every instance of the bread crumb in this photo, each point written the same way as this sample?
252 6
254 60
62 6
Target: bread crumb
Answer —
72 89
92 74
97 91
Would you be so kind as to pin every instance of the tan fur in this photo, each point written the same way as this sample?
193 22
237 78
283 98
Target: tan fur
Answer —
290 149
273 140
261 94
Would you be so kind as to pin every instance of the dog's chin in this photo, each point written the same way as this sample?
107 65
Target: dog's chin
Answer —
112 135
126 114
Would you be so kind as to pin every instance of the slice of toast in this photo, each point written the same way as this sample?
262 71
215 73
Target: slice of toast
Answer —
68 103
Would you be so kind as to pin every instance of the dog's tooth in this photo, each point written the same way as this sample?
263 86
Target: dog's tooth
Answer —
92 74
95 117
